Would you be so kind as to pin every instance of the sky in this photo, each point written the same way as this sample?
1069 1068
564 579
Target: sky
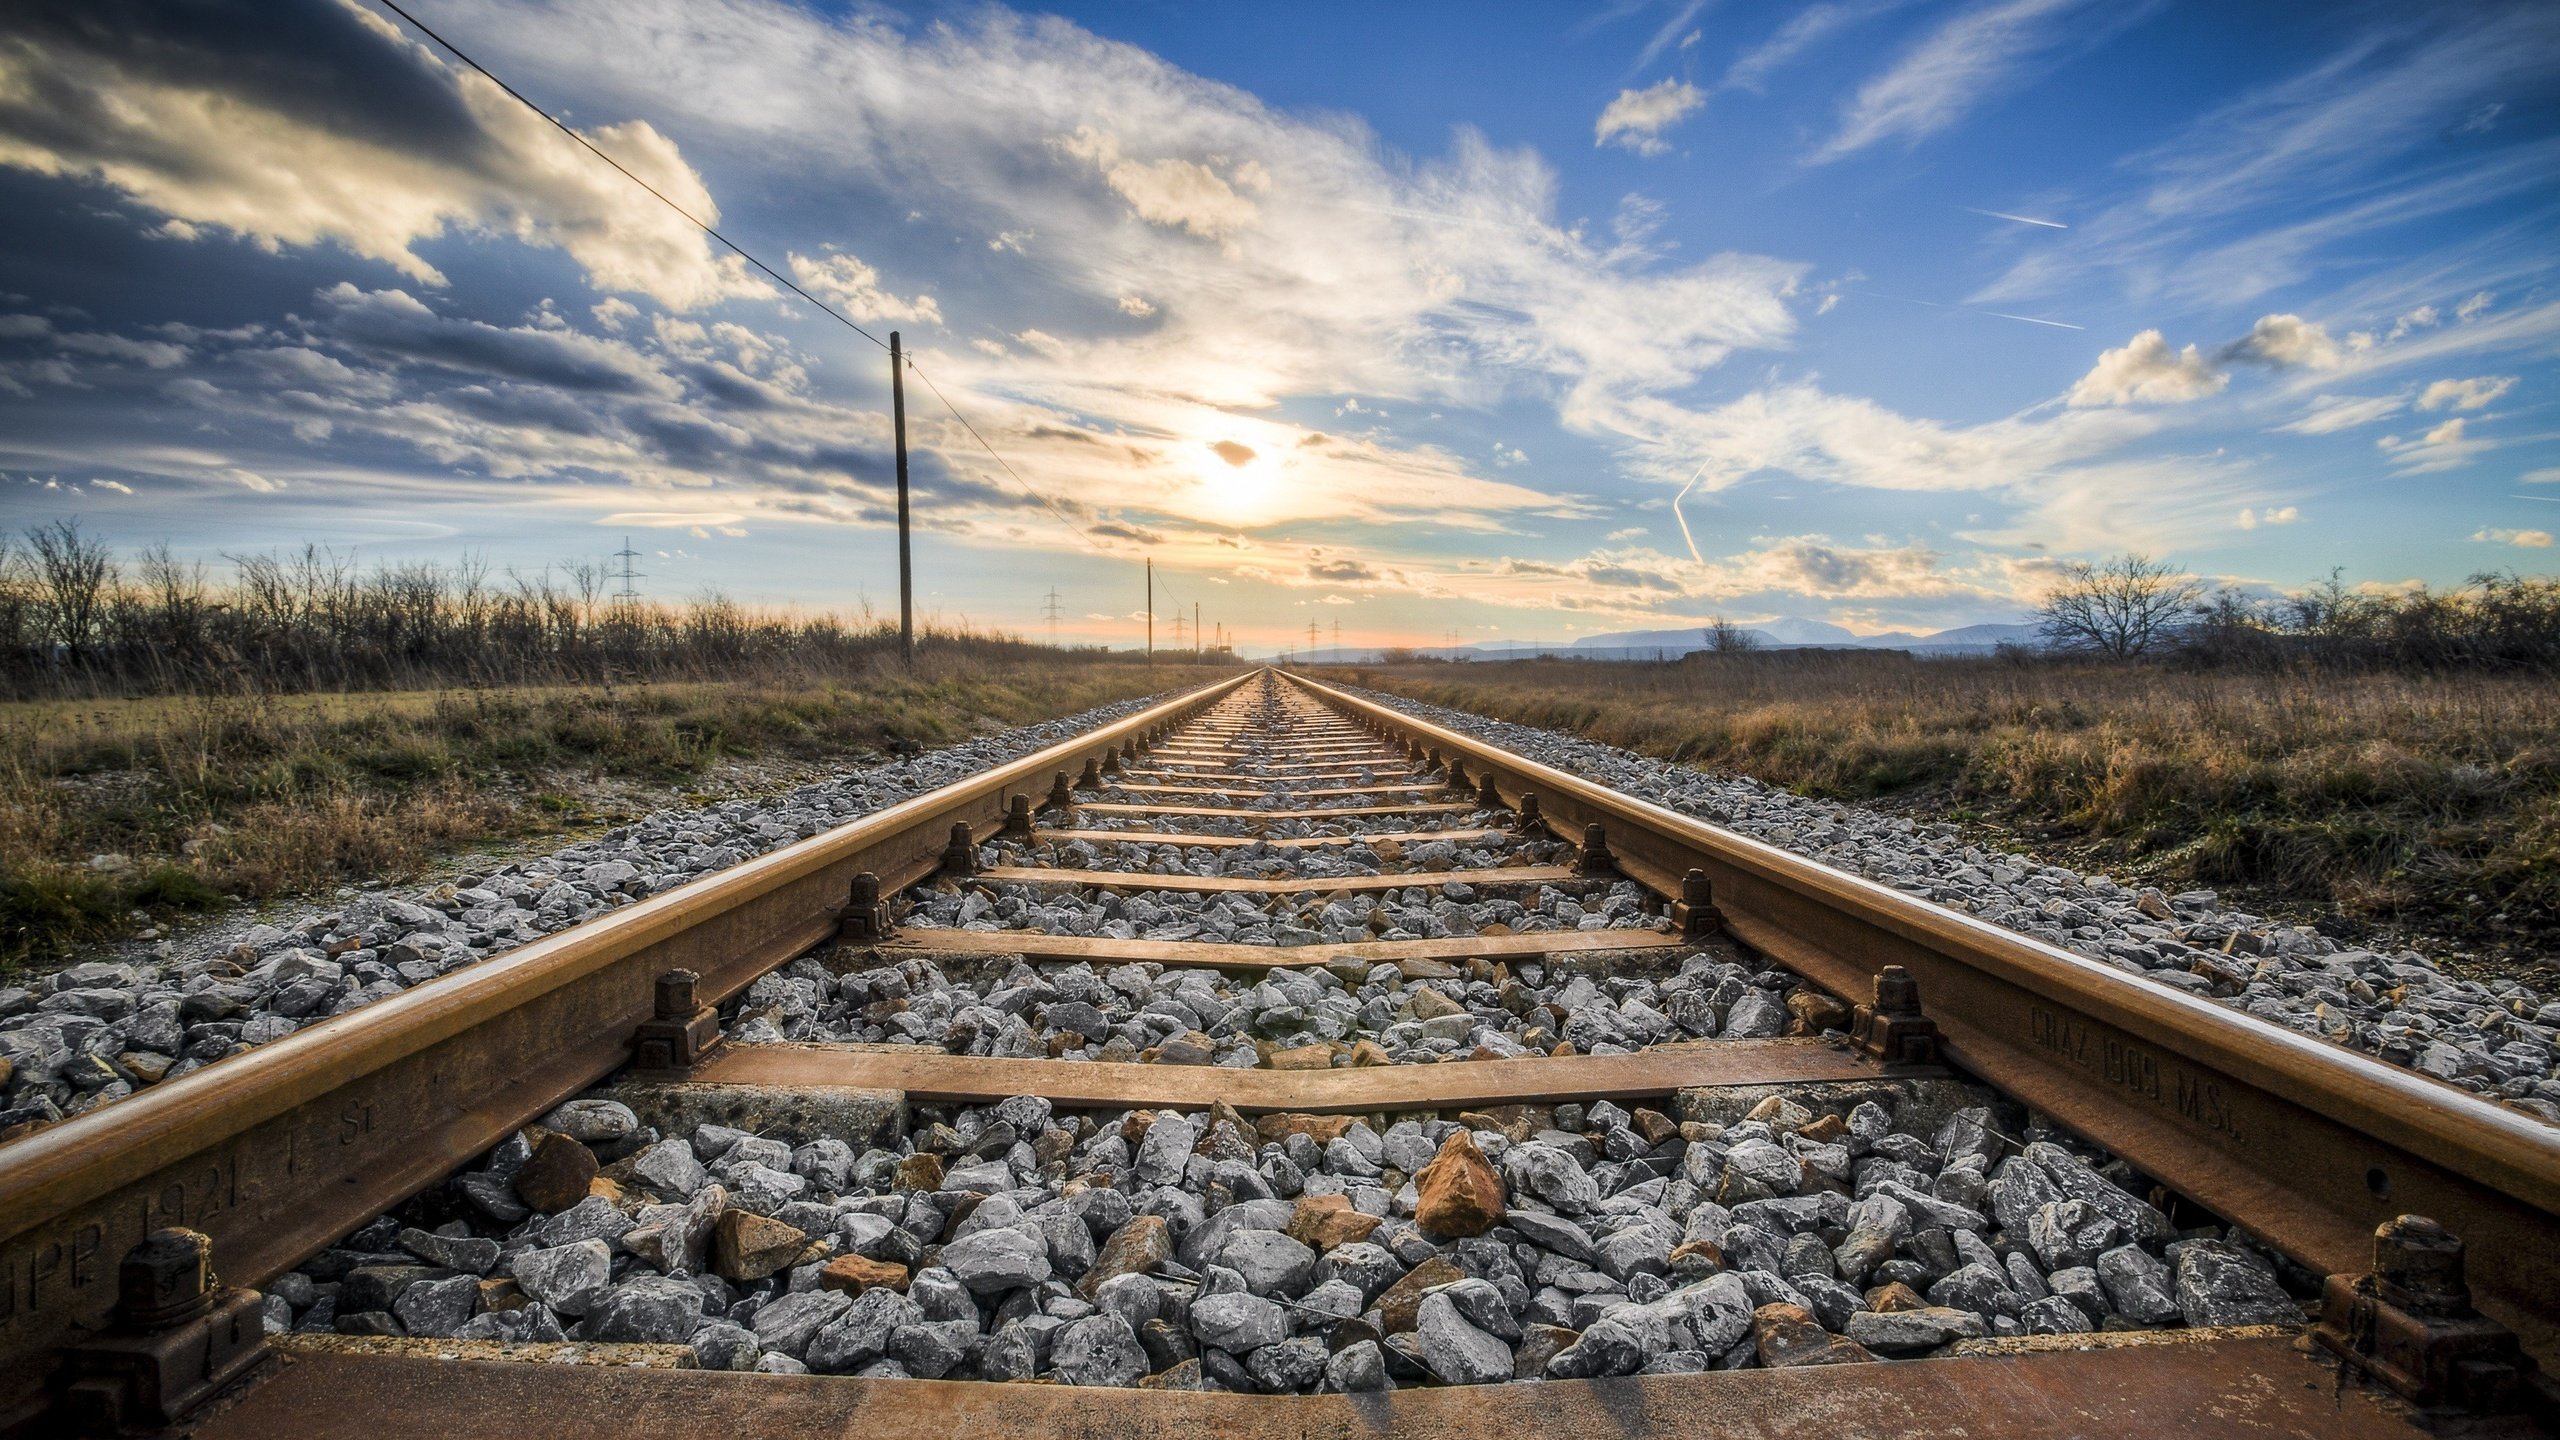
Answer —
1426 321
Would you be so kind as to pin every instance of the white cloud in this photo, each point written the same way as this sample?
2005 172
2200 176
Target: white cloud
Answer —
1171 191
1637 118
2477 393
854 288
2332 413
2251 519
2146 371
2283 342
2521 539
1136 305
2441 448
389 149
117 486
2473 308
1957 67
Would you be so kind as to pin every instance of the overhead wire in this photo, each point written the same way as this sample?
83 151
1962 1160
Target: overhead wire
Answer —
1082 535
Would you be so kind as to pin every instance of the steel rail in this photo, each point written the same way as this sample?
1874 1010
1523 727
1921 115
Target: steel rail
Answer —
280 1151
2307 1144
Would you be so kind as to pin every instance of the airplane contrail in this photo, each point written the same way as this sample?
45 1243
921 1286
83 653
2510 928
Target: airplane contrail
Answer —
2021 219
1683 519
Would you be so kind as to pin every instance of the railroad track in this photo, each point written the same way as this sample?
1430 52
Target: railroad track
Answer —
1272 1040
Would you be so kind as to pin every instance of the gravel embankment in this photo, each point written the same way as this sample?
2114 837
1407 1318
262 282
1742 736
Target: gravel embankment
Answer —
1297 1253
96 1032
2499 1038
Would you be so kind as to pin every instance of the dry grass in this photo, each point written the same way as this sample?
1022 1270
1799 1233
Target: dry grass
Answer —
2430 802
260 797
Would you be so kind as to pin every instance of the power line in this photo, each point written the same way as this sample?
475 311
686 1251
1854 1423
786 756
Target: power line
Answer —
749 256
629 594
1049 607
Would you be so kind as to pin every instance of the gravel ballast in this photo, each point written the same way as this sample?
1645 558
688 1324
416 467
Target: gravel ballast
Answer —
1297 1253
2498 1039
93 1033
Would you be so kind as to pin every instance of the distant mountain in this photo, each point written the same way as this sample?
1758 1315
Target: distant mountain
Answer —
1788 633
1789 630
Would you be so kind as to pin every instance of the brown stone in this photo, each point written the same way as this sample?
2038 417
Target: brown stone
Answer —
1430 1004
1399 1303
1788 1335
1563 1049
1369 1052
854 1274
497 1294
1310 1215
1322 1129
1538 1345
1134 1249
920 1172
1344 1227
1304 1057
1697 1259
748 1246
610 1189
556 1176
1825 1130
1894 1295
1458 1193
1513 1122
1419 968
1188 1048
1814 1012
1654 1126
1185 1375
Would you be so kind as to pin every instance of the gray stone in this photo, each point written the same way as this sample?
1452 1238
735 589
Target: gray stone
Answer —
564 1277
437 1308
993 1261
1270 1262
1237 1322
651 1309
669 1167
1457 1352
1098 1350
1551 1175
2138 1285
2223 1284
860 1333
719 1345
1923 1329
470 1253
788 1323
593 1121
1357 1368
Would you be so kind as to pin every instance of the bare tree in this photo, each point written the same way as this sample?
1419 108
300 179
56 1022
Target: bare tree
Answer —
2120 608
1726 638
76 572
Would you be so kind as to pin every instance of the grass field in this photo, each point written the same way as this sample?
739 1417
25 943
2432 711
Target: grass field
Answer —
193 799
2423 803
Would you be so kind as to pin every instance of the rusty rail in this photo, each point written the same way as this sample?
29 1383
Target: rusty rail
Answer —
2308 1144
278 1152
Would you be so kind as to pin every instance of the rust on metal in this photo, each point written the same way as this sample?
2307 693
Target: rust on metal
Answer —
1595 860
2410 1324
866 911
2251 1386
2313 1144
1698 915
1117 807
179 1338
681 1031
1237 842
1893 1027
280 1151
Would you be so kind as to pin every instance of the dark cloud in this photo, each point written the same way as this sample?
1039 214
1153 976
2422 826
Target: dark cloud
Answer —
1344 571
1233 453
1628 578
394 324
1118 531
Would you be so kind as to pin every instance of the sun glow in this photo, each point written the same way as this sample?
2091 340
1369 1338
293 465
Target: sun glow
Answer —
1233 484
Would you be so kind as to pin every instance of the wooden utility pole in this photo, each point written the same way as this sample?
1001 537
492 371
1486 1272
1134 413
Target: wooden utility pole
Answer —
1151 609
906 559
1196 646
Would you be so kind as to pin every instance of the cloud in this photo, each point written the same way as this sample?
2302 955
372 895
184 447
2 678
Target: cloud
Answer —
1341 571
2282 342
1136 305
393 324
2521 539
2442 448
1117 530
2146 371
2332 413
1637 118
1233 453
117 486
1804 30
303 122
854 288
1172 191
2473 394
2251 519
1955 68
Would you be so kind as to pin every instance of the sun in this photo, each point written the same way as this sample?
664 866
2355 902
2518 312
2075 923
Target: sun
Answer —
1234 484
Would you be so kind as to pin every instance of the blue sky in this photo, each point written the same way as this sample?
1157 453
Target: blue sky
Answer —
1531 322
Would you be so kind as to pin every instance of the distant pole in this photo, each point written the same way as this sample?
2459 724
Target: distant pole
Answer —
1151 609
1196 646
906 558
